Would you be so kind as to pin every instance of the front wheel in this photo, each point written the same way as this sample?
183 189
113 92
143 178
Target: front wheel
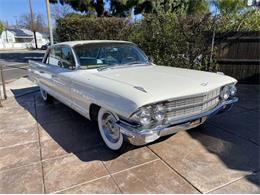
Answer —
110 133
45 96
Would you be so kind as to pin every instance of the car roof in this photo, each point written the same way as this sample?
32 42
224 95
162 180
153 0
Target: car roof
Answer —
73 43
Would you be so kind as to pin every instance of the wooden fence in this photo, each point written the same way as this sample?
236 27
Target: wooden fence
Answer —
238 55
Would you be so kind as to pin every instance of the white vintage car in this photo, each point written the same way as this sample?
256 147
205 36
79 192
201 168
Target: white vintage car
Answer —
131 98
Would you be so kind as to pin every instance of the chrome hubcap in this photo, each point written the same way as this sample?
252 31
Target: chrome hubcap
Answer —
44 94
111 131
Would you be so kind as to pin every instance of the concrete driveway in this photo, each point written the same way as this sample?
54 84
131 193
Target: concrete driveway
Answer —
52 149
16 62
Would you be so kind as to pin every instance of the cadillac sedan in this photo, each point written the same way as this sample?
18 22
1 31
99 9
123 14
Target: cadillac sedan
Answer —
132 99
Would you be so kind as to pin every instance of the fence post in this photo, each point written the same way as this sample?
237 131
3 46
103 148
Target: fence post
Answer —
213 40
3 81
1 99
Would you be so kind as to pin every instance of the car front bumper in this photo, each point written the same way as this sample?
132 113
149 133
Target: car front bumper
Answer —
144 136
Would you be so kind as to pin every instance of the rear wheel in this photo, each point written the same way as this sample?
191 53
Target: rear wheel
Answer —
110 133
45 96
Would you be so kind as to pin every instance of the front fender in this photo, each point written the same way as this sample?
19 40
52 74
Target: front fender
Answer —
85 94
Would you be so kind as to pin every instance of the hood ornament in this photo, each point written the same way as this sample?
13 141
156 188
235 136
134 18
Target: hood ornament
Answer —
140 89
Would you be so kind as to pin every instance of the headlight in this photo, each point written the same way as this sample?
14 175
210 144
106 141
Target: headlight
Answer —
145 116
233 90
159 112
149 115
225 93
228 91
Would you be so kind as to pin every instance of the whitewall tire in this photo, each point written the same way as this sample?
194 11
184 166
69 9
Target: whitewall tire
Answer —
45 96
110 133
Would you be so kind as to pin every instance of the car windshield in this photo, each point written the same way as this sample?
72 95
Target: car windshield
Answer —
99 55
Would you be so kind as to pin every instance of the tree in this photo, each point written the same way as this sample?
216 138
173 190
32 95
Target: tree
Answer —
38 19
84 6
1 27
236 15
186 7
229 7
124 8
61 11
119 8
196 7
246 21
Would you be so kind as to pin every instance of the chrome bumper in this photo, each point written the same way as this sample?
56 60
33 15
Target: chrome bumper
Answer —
142 137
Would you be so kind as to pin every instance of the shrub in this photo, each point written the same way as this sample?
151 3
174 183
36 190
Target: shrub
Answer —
79 27
175 41
170 40
247 21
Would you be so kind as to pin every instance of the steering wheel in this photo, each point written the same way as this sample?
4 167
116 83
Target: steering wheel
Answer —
128 59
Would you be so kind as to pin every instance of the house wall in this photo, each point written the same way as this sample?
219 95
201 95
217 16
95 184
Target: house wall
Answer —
7 36
4 45
9 41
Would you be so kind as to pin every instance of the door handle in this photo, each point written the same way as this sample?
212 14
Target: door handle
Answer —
54 76
41 71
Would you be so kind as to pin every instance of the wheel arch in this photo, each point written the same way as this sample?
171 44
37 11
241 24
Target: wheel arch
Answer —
93 111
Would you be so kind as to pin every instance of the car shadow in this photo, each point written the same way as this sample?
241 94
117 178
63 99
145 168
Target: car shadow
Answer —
234 136
235 152
62 130
23 91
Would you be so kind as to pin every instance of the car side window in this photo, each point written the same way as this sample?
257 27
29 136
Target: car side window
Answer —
62 57
54 56
67 58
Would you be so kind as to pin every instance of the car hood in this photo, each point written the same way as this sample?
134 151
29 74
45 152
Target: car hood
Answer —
124 90
162 82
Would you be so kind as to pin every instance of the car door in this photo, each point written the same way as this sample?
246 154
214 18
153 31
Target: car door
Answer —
44 71
61 64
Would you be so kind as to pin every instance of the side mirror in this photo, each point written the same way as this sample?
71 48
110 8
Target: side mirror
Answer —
150 59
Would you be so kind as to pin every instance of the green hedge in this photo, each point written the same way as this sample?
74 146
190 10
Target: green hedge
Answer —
170 40
77 27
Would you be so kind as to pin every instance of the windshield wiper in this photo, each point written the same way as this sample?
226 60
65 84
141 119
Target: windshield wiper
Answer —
91 66
134 62
108 67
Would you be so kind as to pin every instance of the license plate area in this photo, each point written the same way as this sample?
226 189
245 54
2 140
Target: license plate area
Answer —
195 122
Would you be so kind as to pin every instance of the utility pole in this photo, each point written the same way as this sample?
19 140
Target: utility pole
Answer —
49 20
16 23
32 23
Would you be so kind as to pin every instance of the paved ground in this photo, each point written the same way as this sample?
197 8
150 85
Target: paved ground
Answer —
50 148
16 62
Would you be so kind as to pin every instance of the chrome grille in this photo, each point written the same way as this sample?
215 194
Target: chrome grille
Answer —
186 107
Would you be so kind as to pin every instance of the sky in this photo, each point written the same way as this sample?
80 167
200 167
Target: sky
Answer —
12 9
